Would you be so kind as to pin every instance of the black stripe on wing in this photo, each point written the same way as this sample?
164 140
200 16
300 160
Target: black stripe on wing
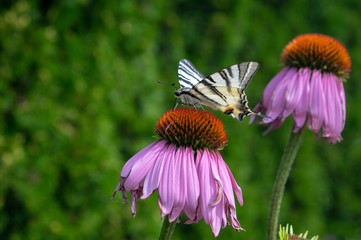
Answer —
211 87
246 71
216 99
238 75
225 77
188 75
196 90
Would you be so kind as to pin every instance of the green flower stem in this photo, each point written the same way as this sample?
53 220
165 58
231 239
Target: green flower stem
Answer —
283 172
167 229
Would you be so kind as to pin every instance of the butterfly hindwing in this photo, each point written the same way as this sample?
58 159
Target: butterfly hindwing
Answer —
230 100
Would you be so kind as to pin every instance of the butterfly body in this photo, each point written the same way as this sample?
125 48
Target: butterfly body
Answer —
223 90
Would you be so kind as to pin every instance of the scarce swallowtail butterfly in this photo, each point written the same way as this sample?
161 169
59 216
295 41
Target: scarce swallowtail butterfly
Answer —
223 90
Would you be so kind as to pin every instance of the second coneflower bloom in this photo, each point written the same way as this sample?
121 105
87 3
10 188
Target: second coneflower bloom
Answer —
309 87
186 169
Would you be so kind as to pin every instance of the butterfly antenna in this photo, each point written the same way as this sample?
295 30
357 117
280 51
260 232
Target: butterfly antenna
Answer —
172 85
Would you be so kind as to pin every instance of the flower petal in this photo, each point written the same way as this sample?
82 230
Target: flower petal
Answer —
137 157
236 188
192 184
234 221
177 184
278 100
334 121
293 94
142 162
341 93
153 177
208 189
316 102
272 85
118 188
268 98
229 204
215 174
225 179
300 112
135 196
166 197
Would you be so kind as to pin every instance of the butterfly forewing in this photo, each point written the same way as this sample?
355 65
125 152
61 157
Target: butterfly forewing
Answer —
238 75
188 75
215 98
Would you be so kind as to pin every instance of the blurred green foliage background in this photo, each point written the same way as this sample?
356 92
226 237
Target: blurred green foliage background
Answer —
79 97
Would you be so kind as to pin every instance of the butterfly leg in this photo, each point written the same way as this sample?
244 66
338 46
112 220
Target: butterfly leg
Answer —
197 106
175 105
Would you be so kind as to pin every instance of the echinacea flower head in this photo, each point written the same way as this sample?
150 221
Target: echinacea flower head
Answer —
286 233
186 169
309 87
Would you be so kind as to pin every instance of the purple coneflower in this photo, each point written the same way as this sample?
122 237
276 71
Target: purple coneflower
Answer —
184 165
309 86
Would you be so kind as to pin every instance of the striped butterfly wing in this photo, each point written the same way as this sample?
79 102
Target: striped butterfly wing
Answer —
225 90
188 75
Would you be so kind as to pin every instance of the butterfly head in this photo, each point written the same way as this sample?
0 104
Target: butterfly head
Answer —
178 93
186 97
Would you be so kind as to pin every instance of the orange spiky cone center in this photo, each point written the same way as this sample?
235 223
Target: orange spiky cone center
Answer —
317 51
190 127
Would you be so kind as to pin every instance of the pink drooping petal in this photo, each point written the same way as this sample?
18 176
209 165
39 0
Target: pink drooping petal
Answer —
166 197
216 199
192 184
234 221
225 179
330 116
178 184
219 215
270 103
208 192
273 84
293 94
152 179
300 113
283 100
119 188
235 186
229 184
138 166
215 175
278 99
225 211
341 93
137 157
135 196
199 214
334 113
316 102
